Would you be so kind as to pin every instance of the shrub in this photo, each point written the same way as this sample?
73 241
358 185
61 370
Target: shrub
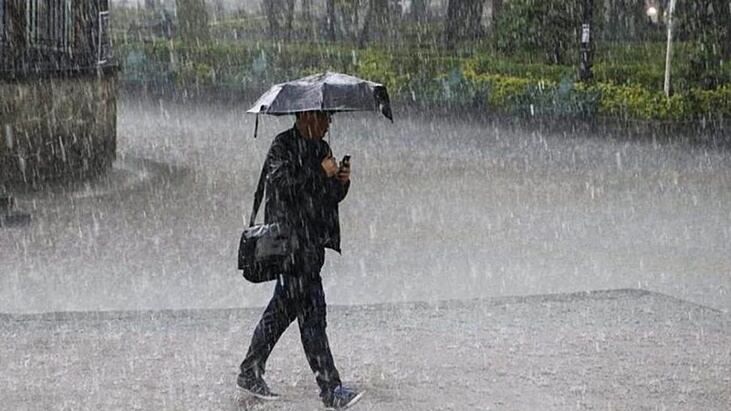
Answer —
711 103
426 77
636 102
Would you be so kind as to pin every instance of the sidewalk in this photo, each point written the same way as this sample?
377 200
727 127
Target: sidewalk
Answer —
608 350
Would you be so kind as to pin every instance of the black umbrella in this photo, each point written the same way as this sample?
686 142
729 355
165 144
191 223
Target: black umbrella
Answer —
331 92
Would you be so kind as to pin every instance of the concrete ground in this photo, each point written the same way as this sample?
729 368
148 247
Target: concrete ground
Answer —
608 350
489 208
117 292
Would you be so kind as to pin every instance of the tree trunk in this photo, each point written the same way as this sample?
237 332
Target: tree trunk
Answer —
418 10
464 21
219 10
355 21
307 10
382 17
377 23
192 20
307 19
497 8
330 5
271 11
290 19
364 34
725 12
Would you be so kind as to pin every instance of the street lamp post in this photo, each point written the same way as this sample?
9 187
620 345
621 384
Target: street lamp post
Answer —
586 46
669 51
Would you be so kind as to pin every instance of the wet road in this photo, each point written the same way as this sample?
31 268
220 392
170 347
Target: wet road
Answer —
440 208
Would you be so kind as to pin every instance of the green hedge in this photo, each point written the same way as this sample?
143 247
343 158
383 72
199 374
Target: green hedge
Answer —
425 77
543 97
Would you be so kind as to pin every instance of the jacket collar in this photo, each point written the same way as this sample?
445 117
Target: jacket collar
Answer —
296 133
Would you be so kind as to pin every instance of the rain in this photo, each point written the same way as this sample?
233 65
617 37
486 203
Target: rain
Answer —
545 225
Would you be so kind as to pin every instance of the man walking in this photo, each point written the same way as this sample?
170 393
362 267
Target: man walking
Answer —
304 186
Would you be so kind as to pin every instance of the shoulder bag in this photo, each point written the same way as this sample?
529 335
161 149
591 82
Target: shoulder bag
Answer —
265 250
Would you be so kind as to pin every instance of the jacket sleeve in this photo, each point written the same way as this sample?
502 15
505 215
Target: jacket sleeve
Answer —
335 191
286 175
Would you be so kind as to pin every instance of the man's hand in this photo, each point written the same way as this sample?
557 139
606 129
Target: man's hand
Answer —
344 173
330 166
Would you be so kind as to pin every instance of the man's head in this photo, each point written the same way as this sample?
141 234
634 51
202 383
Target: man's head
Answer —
313 124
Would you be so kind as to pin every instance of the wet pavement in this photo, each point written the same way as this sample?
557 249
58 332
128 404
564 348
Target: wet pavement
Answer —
440 208
612 350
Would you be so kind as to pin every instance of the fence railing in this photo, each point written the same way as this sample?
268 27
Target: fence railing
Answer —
50 56
56 36
47 60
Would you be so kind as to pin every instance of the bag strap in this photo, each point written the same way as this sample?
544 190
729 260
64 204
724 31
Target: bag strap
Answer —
259 193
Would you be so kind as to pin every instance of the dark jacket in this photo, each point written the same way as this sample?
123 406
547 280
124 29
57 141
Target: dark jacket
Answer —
300 194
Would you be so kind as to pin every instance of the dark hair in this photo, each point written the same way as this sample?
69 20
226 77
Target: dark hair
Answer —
318 112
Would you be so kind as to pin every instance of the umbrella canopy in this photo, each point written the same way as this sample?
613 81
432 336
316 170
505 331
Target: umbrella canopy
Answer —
332 92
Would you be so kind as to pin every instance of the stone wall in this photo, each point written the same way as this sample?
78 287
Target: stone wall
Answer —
57 128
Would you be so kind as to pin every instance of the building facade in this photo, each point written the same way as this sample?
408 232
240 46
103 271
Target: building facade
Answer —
58 90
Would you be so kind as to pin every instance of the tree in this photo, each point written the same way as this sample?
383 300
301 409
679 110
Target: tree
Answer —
330 5
307 18
289 19
307 9
464 21
540 26
348 11
419 10
706 24
280 18
497 8
624 20
377 23
356 19
271 10
218 10
192 20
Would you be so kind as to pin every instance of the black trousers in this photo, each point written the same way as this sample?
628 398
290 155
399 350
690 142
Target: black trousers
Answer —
299 296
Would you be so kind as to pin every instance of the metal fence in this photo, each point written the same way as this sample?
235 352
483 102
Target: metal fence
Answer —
39 36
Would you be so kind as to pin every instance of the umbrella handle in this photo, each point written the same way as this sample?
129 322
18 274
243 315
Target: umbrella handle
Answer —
330 137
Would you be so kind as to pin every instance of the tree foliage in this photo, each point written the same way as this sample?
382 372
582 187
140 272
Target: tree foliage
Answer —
192 20
464 20
280 17
546 27
378 22
707 24
626 20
